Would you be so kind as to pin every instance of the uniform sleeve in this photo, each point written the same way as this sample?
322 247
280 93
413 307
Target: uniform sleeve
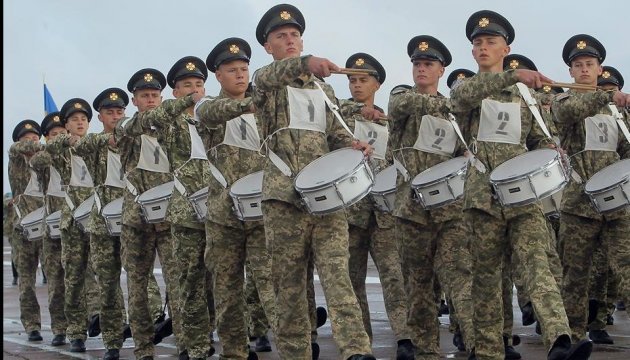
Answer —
41 160
91 144
21 148
281 73
569 108
58 145
403 105
467 94
349 108
162 116
218 111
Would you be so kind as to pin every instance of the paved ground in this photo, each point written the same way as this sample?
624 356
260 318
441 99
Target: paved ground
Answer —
16 346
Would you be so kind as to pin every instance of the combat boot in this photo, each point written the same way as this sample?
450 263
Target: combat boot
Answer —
112 354
600 337
162 330
458 341
405 350
35 336
77 345
126 332
510 352
58 340
252 355
315 350
262 344
322 316
94 327
362 357
562 349
528 314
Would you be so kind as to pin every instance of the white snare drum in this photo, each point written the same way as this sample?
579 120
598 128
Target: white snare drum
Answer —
199 201
82 213
334 181
54 224
529 177
33 224
609 188
246 194
384 191
441 184
112 212
551 205
154 202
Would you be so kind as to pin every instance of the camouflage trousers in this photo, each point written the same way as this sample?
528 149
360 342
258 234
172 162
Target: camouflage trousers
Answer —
579 237
153 289
257 323
105 253
82 294
140 246
51 254
227 251
310 296
27 262
604 288
380 243
193 303
525 236
291 236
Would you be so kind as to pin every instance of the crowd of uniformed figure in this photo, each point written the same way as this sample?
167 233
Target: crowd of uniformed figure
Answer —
166 181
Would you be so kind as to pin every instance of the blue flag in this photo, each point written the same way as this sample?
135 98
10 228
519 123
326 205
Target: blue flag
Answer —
49 103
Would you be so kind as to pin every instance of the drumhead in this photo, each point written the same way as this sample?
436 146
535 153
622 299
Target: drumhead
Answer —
54 217
157 192
608 176
523 164
200 193
328 168
385 179
247 185
114 207
33 216
85 206
440 171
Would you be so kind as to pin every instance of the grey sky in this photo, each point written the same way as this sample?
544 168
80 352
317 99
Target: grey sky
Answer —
85 46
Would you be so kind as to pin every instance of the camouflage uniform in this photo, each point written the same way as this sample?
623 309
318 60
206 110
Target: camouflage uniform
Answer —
373 232
582 228
81 292
257 322
28 253
229 239
432 243
290 231
139 239
495 229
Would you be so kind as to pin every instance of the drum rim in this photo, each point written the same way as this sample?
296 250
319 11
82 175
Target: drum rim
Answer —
247 176
624 179
122 201
544 166
464 169
363 162
392 189
41 208
460 172
172 183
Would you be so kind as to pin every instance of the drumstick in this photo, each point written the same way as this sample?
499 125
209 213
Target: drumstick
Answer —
347 71
571 86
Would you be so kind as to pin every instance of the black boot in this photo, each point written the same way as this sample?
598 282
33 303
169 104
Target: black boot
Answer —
362 357
562 349
162 330
443 310
126 332
77 345
538 329
112 354
458 341
528 314
183 355
315 350
35 336
58 340
405 351
252 355
610 320
600 337
593 306
322 316
510 352
262 344
94 327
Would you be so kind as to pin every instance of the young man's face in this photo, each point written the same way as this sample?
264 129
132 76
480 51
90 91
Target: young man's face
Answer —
233 77
189 85
427 72
77 124
363 87
54 132
146 99
489 50
29 136
284 42
110 116
585 70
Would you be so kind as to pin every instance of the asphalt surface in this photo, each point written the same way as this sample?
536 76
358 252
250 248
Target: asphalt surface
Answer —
16 346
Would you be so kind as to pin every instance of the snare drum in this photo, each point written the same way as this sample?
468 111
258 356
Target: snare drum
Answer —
384 191
33 224
441 184
54 224
529 177
154 202
609 188
199 201
246 194
334 181
112 213
82 213
551 205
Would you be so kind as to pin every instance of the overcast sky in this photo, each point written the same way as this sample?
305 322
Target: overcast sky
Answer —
81 47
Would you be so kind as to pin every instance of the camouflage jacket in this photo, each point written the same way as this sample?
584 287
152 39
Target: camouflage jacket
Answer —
570 110
128 140
61 153
20 154
93 149
233 162
297 148
406 109
466 98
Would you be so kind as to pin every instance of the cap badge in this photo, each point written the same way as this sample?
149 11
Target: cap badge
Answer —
113 96
56 118
483 22
423 46
461 76
581 44
78 105
359 62
547 88
28 126
605 74
190 66
285 15
148 77
234 49
514 64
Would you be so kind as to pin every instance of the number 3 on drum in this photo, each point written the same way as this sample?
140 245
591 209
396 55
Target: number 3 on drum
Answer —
503 117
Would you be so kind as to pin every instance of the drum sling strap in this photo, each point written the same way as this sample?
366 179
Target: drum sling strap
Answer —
472 159
619 118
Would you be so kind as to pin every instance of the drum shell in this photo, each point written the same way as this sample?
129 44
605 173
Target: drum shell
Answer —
54 225
385 199
551 205
247 206
199 201
82 213
614 196
154 202
33 224
112 213
445 190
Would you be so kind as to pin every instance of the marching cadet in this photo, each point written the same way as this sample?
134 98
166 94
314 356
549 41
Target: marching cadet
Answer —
433 244
590 134
52 126
480 103
189 166
81 292
458 74
371 229
291 233
146 167
27 197
231 243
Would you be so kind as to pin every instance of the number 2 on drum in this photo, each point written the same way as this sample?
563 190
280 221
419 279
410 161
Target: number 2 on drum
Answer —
503 117
372 135
440 133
